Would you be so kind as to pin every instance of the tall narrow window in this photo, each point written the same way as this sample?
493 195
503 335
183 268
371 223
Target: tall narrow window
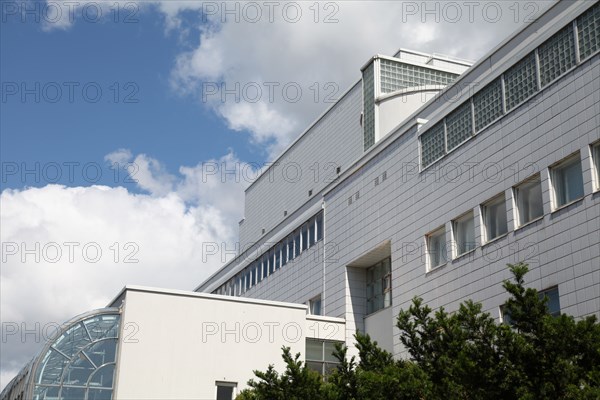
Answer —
312 237
277 257
436 248
271 258
320 226
257 271
314 305
379 286
596 161
304 237
553 302
494 217
265 265
528 196
464 233
567 181
290 244
284 252
297 243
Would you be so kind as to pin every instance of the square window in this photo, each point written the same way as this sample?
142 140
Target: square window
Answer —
436 248
596 166
567 181
528 196
225 390
464 233
319 356
494 218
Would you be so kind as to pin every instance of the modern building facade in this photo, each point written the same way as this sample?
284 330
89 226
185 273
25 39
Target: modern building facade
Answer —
425 179
436 180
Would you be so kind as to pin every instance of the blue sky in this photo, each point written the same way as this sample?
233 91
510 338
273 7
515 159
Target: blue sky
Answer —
131 63
163 63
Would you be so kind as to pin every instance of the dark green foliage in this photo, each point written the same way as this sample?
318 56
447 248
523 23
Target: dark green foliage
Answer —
464 355
296 383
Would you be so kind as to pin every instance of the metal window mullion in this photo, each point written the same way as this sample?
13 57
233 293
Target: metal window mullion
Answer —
503 88
576 42
445 136
537 70
472 116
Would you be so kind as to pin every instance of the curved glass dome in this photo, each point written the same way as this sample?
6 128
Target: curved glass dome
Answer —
79 363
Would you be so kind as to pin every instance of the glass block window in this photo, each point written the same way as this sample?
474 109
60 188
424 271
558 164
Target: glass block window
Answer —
397 75
488 104
369 106
557 55
588 27
459 125
432 145
520 81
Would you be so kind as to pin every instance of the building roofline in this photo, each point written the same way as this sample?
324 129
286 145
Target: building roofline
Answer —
295 141
433 56
187 293
413 119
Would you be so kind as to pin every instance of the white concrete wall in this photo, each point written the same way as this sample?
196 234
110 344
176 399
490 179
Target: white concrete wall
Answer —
380 326
177 346
394 110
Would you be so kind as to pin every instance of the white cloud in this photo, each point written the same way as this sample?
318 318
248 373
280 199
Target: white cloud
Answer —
242 47
164 230
119 157
251 52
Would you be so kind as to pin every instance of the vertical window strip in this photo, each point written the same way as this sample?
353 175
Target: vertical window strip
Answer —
277 256
369 106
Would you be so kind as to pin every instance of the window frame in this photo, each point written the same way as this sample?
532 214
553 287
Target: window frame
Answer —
312 302
456 223
486 208
224 384
325 362
595 158
558 167
443 259
379 300
535 180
